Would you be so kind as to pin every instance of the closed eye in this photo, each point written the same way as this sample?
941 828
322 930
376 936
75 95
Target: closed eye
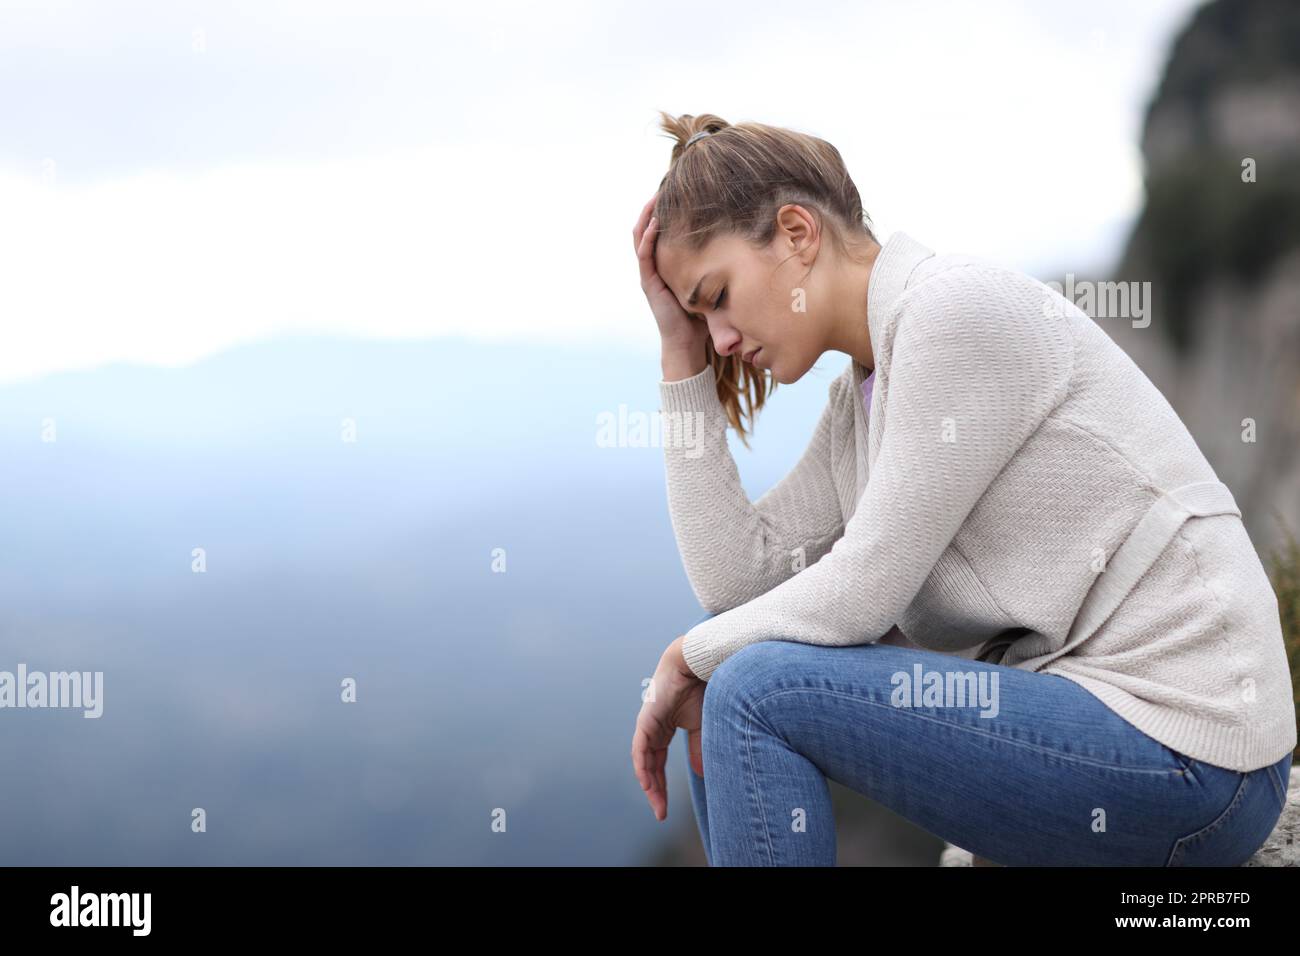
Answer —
721 295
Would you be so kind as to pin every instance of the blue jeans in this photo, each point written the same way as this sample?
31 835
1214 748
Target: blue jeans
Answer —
1026 769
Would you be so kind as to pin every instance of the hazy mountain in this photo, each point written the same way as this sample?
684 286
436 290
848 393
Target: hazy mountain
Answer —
1218 239
328 559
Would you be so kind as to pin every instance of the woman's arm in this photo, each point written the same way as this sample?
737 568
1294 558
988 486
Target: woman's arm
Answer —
734 550
976 367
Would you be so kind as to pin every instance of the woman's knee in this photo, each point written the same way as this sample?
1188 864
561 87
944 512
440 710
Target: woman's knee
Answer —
747 676
735 691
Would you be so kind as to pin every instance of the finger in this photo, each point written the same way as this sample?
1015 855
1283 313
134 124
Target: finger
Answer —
642 220
695 747
645 253
642 224
661 779
655 793
645 758
640 749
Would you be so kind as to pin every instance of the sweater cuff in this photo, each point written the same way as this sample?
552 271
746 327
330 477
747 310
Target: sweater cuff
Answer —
697 393
699 653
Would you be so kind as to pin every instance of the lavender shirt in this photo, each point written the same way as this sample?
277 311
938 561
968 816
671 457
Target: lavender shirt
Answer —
867 385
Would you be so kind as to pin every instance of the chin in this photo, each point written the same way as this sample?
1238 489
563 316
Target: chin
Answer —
779 374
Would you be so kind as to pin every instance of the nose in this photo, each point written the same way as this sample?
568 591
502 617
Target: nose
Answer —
725 339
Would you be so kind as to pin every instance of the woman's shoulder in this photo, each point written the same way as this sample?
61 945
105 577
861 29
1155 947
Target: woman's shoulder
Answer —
985 324
957 280
966 292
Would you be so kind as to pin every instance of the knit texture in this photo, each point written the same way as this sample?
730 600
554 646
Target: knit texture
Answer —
1006 444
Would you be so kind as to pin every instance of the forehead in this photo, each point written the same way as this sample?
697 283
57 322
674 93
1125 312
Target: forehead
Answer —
681 268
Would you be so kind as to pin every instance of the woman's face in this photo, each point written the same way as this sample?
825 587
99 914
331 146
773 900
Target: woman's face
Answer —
768 298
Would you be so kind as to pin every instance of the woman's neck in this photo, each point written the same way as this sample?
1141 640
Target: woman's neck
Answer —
850 331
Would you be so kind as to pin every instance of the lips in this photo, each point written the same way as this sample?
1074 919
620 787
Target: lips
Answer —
749 356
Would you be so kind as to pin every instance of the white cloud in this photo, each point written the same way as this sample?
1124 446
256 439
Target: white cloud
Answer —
1006 130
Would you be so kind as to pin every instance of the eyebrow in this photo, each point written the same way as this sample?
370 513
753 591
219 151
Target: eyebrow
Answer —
695 293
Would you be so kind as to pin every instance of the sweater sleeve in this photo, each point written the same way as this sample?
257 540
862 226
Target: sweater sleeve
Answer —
734 550
976 366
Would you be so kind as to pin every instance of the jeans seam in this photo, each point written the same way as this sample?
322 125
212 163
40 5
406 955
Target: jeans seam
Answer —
1181 844
754 789
1275 776
982 733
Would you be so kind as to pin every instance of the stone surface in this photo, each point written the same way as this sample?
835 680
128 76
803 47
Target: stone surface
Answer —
1282 848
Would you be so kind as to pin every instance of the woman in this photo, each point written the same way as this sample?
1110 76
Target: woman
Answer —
1082 660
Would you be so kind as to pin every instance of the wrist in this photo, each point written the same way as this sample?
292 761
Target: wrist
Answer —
675 663
679 362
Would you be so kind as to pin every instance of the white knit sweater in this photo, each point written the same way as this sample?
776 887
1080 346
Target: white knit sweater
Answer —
1020 493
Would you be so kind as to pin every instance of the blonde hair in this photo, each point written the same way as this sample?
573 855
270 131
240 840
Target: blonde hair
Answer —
732 183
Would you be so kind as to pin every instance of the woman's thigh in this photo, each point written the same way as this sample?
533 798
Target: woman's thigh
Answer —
1020 768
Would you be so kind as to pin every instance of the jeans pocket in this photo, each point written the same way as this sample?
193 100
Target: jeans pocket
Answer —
1241 828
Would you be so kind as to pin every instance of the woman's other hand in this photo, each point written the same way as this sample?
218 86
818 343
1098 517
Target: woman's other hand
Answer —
674 698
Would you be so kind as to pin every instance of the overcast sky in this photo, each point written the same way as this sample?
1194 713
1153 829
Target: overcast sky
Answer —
179 177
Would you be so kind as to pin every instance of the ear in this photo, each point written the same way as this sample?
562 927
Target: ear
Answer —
796 228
